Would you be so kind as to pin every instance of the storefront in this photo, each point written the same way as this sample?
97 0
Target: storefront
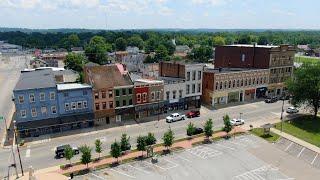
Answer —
219 98
123 114
175 104
261 92
233 97
151 109
275 89
249 94
193 102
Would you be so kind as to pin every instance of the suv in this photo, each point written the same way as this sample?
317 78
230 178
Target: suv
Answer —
60 150
271 100
196 131
236 122
174 117
193 114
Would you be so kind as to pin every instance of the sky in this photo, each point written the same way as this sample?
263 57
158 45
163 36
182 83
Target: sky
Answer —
146 14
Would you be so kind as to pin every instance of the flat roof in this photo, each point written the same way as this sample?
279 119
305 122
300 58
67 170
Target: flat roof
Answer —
70 86
227 70
36 79
252 45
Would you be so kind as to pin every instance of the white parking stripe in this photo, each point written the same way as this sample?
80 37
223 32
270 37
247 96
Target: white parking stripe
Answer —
122 173
139 169
314 159
301 151
288 146
155 165
178 156
97 176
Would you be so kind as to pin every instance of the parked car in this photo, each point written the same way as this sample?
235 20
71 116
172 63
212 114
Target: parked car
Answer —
193 114
271 100
196 131
174 117
60 150
236 122
292 110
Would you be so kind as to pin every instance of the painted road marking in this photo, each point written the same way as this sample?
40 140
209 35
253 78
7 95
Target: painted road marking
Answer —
314 159
288 146
301 151
204 152
122 173
28 152
139 169
178 156
97 176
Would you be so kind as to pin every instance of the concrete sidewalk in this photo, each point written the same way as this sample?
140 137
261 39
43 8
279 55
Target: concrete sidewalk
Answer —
296 140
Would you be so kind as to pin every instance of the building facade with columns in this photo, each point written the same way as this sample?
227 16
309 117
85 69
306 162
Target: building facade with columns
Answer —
223 86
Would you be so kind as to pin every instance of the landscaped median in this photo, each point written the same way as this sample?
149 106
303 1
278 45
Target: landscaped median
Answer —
305 128
178 144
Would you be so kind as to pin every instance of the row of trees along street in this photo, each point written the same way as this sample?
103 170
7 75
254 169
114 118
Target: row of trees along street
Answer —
143 142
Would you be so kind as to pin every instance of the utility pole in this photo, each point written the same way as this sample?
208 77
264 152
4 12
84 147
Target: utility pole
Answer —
281 118
16 141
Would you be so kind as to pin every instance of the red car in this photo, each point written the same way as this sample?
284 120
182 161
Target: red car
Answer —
193 114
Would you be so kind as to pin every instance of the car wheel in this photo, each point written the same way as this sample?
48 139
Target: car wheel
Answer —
182 118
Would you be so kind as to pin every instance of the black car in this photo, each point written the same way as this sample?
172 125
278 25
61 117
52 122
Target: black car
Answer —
61 149
271 100
196 131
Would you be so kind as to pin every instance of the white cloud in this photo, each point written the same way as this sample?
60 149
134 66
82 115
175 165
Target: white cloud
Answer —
210 2
282 12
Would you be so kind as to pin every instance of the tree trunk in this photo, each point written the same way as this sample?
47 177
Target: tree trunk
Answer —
315 113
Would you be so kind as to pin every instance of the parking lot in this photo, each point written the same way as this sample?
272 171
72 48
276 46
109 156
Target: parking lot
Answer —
225 159
296 150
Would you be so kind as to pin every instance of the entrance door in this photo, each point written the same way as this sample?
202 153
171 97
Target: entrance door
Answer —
118 118
241 97
107 120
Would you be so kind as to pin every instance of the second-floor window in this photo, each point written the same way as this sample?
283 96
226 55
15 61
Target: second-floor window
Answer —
44 110
130 91
67 107
193 75
124 91
104 105
138 98
23 113
73 105
193 88
199 75
188 89
33 112
174 94
180 93
79 104
31 98
21 99
110 93
42 96
52 96
144 99
97 105
85 104
117 92
152 96
188 76
158 95
103 94
53 109
168 95
110 104
217 85
96 95
199 88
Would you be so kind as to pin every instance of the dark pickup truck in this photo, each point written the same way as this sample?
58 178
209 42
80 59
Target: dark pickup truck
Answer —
60 150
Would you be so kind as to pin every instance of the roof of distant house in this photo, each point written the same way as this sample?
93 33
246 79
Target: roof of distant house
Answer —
36 79
71 86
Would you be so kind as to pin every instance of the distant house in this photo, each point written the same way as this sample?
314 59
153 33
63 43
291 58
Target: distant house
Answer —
134 62
305 49
54 59
132 50
77 50
36 63
182 51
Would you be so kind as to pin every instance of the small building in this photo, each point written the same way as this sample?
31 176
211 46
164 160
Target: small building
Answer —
174 93
55 59
134 62
36 63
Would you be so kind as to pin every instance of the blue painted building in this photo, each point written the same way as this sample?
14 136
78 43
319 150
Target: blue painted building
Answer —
43 106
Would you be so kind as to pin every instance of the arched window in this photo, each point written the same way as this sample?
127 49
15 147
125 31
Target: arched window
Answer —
246 82
254 81
229 84
225 85
238 83
217 84
234 83
220 85
250 82
241 82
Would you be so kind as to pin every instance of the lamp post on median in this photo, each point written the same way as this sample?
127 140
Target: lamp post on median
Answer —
16 141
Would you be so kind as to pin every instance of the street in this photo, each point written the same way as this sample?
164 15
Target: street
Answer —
40 154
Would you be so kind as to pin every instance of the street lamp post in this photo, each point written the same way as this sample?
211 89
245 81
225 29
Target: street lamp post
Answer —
16 141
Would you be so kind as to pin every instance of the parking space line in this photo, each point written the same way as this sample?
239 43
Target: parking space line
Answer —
175 164
183 158
155 165
301 151
122 173
314 159
139 169
237 144
231 148
288 146
97 176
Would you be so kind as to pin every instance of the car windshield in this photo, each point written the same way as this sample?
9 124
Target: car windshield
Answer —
171 115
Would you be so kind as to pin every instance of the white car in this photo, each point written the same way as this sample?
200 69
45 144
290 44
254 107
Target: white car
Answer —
292 110
174 117
236 122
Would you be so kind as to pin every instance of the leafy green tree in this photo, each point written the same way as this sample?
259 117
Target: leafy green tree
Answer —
98 145
75 61
125 144
305 87
150 139
68 154
263 40
208 128
141 144
227 123
86 155
245 39
151 45
97 49
168 138
73 40
201 54
115 150
161 53
171 48
190 129
218 41
136 41
149 59
121 44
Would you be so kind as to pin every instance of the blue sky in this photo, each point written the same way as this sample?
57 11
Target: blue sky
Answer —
137 14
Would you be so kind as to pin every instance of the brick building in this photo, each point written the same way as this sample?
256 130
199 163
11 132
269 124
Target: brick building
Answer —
228 85
278 59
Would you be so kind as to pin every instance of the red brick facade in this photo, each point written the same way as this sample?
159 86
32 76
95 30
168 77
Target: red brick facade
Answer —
242 57
172 69
207 87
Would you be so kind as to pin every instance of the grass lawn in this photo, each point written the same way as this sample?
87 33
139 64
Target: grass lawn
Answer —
304 128
306 59
272 137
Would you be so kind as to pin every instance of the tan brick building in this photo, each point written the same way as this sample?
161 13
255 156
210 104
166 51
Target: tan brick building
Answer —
223 86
